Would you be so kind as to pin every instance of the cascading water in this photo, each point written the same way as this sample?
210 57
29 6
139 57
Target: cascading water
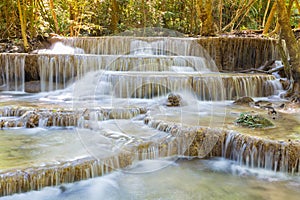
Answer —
56 71
12 72
115 102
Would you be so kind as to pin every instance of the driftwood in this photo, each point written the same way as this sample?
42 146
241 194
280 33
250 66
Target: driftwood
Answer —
267 68
258 70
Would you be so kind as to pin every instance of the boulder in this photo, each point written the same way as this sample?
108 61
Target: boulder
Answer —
174 100
243 101
33 86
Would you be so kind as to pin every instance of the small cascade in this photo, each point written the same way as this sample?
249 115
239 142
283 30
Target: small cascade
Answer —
60 48
206 86
209 87
10 111
273 87
245 85
176 143
55 72
140 47
31 118
68 172
129 54
94 115
59 71
246 150
145 85
256 152
242 54
103 74
119 45
12 72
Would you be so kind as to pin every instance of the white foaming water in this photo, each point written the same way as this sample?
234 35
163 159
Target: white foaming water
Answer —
13 72
139 47
60 48
234 168
278 64
277 87
182 69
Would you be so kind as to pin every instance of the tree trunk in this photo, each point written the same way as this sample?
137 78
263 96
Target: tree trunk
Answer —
31 18
266 11
245 8
23 26
114 16
51 3
72 19
270 18
298 7
204 11
220 15
292 47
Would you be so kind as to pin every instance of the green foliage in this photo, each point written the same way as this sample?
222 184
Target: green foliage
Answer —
253 121
94 17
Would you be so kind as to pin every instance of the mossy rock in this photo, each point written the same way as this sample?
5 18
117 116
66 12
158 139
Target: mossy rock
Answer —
243 101
253 121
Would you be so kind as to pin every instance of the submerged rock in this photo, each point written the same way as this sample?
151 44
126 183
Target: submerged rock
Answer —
263 103
243 101
33 86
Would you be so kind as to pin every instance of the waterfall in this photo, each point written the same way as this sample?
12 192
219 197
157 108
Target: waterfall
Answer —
246 150
274 87
68 172
26 117
119 45
256 152
12 72
120 69
230 54
59 71
132 54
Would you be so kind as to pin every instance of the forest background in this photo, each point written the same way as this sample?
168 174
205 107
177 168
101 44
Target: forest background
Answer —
25 24
22 20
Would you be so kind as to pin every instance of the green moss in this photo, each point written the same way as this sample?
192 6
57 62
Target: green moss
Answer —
253 121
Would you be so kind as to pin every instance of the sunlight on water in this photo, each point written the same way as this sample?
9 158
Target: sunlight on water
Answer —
60 48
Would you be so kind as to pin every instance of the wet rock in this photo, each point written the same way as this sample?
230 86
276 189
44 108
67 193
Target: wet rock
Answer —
63 188
10 124
11 46
33 121
2 47
33 86
55 38
32 72
285 83
243 101
263 104
174 100
20 124
2 124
